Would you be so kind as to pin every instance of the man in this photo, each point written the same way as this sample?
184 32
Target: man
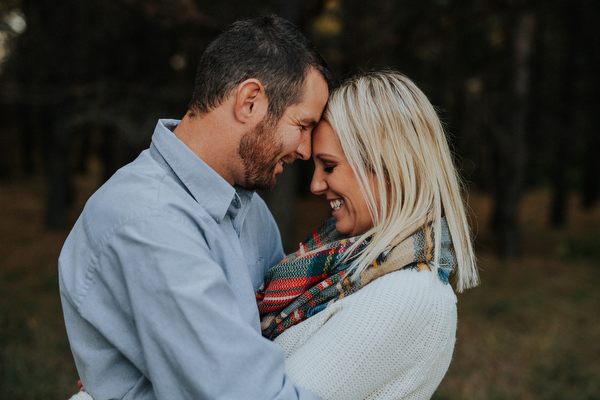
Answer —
158 275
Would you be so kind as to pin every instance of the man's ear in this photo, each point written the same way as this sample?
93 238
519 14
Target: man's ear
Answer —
251 103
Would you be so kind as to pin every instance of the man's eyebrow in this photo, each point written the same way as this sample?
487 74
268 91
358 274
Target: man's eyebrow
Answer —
309 122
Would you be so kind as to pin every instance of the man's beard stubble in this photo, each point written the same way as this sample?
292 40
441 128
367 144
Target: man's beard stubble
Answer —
259 151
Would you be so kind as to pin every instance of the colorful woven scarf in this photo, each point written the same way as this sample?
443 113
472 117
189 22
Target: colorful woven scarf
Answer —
306 281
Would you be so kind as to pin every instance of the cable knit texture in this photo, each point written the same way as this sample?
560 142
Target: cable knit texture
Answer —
393 339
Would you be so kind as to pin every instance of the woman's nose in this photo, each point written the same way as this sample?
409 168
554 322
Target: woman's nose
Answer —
317 184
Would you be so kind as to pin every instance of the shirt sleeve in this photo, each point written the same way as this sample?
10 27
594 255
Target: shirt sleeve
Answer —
392 339
193 340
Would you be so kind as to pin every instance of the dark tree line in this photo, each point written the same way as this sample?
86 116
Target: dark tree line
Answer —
516 83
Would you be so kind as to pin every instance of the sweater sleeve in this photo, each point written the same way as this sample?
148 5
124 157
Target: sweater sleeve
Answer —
393 339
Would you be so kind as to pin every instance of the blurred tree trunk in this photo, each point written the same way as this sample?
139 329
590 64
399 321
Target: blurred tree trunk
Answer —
58 17
509 132
591 159
27 119
385 31
6 147
60 191
563 135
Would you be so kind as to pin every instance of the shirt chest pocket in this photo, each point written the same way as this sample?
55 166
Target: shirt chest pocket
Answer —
257 270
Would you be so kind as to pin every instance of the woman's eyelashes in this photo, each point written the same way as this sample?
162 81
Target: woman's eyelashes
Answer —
329 168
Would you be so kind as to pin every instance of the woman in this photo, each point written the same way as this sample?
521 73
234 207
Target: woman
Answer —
370 287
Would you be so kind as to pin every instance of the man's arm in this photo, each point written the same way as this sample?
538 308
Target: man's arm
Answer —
194 340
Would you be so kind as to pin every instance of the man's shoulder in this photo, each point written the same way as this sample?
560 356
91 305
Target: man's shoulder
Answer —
138 190
132 188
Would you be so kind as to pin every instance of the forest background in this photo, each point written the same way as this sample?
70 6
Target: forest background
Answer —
82 84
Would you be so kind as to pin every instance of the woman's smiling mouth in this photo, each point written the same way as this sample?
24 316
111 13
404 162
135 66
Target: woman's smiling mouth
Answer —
336 204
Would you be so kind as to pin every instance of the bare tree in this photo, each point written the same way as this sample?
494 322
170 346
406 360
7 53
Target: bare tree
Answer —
508 129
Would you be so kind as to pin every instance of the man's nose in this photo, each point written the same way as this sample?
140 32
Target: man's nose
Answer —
304 147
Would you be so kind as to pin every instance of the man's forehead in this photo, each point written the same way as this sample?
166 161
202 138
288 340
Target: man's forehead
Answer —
308 111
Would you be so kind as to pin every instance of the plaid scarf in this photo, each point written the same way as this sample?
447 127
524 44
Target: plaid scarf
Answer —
306 281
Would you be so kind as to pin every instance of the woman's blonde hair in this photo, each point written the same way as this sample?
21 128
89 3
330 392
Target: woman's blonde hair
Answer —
389 130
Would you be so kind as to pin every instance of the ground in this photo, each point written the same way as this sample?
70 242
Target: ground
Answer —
530 331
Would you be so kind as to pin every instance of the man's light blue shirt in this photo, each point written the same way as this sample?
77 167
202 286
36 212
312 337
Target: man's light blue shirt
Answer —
157 281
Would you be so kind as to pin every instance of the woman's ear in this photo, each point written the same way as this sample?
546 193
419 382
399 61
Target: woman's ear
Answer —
251 103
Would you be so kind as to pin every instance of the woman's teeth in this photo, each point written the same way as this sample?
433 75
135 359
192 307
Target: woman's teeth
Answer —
336 204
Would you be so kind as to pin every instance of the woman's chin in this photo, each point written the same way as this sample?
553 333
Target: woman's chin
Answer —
339 225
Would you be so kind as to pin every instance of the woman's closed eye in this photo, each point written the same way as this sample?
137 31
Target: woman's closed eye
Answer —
329 168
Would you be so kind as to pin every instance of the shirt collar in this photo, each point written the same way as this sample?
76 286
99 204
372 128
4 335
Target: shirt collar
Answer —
239 206
205 185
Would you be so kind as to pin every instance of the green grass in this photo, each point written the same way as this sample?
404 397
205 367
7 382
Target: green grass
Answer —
35 360
530 331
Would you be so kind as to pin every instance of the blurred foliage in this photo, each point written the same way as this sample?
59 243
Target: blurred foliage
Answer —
515 82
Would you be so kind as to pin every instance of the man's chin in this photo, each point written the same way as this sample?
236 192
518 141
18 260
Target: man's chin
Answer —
262 184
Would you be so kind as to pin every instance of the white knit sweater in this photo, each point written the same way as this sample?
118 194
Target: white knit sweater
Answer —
393 339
